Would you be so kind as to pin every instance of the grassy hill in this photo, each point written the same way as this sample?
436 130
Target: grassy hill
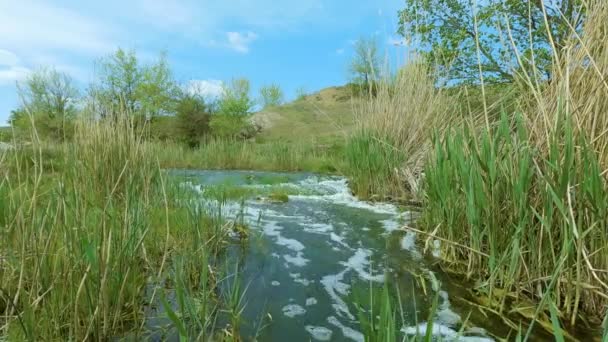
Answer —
321 117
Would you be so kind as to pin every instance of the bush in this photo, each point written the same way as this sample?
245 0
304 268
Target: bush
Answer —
192 120
271 95
228 126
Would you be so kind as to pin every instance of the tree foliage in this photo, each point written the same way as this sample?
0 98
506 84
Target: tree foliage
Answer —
365 66
141 90
447 31
235 100
271 95
192 118
49 103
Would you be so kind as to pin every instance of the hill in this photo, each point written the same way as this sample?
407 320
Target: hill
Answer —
322 117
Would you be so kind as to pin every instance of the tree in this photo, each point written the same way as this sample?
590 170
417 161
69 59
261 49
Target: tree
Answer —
49 96
123 84
271 95
365 66
235 100
157 91
49 92
448 33
192 119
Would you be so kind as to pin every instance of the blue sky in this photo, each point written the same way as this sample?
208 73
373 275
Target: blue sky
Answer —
303 43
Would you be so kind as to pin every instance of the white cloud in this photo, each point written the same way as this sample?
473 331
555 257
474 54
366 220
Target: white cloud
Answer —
209 89
11 69
11 75
8 58
240 41
340 51
37 25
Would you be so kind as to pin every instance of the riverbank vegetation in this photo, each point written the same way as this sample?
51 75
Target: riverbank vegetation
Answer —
500 139
520 182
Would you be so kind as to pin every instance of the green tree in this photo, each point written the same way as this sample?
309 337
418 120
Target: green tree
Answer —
235 100
192 119
158 90
123 83
365 66
49 101
448 32
271 95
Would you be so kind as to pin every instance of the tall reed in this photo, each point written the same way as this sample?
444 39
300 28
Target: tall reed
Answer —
529 194
396 124
81 242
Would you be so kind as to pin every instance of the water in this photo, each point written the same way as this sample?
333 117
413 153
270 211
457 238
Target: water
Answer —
309 260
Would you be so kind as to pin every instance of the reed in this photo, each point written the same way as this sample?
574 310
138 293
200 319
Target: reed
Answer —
386 154
244 155
528 193
81 242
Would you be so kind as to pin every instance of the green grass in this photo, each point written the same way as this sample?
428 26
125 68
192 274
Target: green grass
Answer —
232 154
320 118
6 134
534 222
372 162
80 246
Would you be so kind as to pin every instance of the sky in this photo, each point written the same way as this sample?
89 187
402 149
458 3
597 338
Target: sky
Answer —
297 43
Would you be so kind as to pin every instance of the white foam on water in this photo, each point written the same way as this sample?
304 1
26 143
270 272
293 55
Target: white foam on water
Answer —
360 264
319 333
445 315
346 331
339 240
292 244
390 225
293 310
272 229
297 260
408 242
276 255
311 301
318 228
297 278
335 287
445 333
338 192
275 283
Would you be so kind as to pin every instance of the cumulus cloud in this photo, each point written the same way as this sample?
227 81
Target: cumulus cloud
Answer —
240 41
209 89
11 69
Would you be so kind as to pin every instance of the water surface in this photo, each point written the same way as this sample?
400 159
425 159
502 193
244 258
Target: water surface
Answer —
308 261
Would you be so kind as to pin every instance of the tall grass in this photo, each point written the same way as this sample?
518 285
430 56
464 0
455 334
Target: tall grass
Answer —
240 154
387 153
529 193
81 242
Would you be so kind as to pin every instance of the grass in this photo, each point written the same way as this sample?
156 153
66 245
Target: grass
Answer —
321 118
82 242
386 153
229 154
521 182
528 193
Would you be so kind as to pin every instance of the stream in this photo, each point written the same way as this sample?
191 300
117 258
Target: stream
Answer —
308 261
